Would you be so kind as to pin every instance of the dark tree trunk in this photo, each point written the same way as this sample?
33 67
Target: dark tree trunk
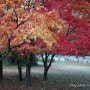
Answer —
2 57
45 74
46 65
1 70
28 75
28 70
20 69
34 62
28 65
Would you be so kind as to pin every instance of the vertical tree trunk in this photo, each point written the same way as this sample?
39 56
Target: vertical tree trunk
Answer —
28 75
28 70
45 74
1 70
20 72
46 65
34 62
1 58
20 69
28 65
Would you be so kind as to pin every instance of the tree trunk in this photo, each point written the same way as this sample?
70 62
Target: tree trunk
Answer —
20 69
45 74
34 62
28 70
46 65
28 75
1 70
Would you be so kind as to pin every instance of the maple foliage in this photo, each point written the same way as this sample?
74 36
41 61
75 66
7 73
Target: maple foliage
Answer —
3 39
42 27
81 8
44 22
75 40
22 24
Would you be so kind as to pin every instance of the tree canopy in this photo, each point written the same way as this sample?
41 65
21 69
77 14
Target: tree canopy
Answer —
51 25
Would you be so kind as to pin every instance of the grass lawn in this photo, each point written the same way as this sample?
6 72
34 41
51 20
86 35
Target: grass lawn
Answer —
61 76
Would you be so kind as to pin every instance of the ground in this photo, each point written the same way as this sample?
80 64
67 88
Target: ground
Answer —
62 76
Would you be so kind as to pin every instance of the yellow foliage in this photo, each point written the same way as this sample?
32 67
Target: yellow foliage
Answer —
35 25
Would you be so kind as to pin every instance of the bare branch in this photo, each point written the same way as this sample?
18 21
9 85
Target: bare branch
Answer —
42 58
51 60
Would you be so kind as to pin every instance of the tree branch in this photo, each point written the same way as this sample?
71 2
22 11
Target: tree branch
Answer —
42 58
51 60
18 45
16 16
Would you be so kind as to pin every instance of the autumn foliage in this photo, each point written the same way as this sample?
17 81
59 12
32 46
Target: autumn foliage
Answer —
46 27
81 8
53 27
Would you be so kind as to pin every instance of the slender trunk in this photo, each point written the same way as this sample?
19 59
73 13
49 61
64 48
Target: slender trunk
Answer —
28 70
2 57
28 65
20 69
1 70
28 75
46 65
20 72
45 74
